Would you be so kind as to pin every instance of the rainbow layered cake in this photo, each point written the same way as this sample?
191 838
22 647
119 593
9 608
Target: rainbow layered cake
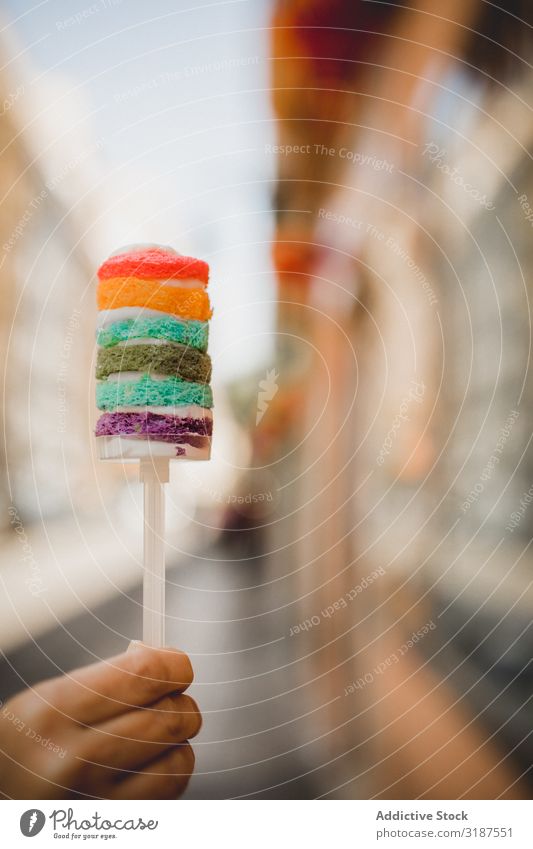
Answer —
152 368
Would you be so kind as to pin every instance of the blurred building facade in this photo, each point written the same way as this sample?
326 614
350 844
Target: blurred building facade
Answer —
413 296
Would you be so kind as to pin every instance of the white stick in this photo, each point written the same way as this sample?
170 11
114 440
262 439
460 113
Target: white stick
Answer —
154 475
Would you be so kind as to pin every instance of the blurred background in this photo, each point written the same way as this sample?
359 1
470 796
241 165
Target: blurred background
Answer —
351 573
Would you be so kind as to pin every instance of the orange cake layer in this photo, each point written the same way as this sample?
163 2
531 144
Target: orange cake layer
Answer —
117 292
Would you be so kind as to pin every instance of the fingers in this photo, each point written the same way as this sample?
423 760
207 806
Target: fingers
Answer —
165 778
106 689
140 736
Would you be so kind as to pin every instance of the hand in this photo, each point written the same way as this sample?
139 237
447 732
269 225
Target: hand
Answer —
113 730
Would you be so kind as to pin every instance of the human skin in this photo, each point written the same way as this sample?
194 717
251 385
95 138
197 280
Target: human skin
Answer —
117 729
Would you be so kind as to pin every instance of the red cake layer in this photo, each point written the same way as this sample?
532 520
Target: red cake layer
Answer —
154 264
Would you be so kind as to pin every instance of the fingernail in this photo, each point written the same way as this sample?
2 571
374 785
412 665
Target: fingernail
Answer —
138 644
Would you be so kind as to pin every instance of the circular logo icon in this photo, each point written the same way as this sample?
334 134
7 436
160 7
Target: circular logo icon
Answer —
32 822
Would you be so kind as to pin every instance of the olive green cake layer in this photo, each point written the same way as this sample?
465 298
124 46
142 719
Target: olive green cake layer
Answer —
170 358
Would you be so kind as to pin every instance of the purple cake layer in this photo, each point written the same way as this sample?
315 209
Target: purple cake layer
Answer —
153 426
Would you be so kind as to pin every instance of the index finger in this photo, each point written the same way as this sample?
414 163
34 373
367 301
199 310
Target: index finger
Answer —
111 687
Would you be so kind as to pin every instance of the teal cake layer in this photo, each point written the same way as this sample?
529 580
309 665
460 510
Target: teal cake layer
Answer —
187 332
151 393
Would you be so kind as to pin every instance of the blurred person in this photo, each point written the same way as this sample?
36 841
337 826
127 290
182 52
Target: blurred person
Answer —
117 729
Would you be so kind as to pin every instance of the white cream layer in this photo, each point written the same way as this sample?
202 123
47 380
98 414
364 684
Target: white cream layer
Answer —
127 376
149 340
144 246
192 411
133 448
106 317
